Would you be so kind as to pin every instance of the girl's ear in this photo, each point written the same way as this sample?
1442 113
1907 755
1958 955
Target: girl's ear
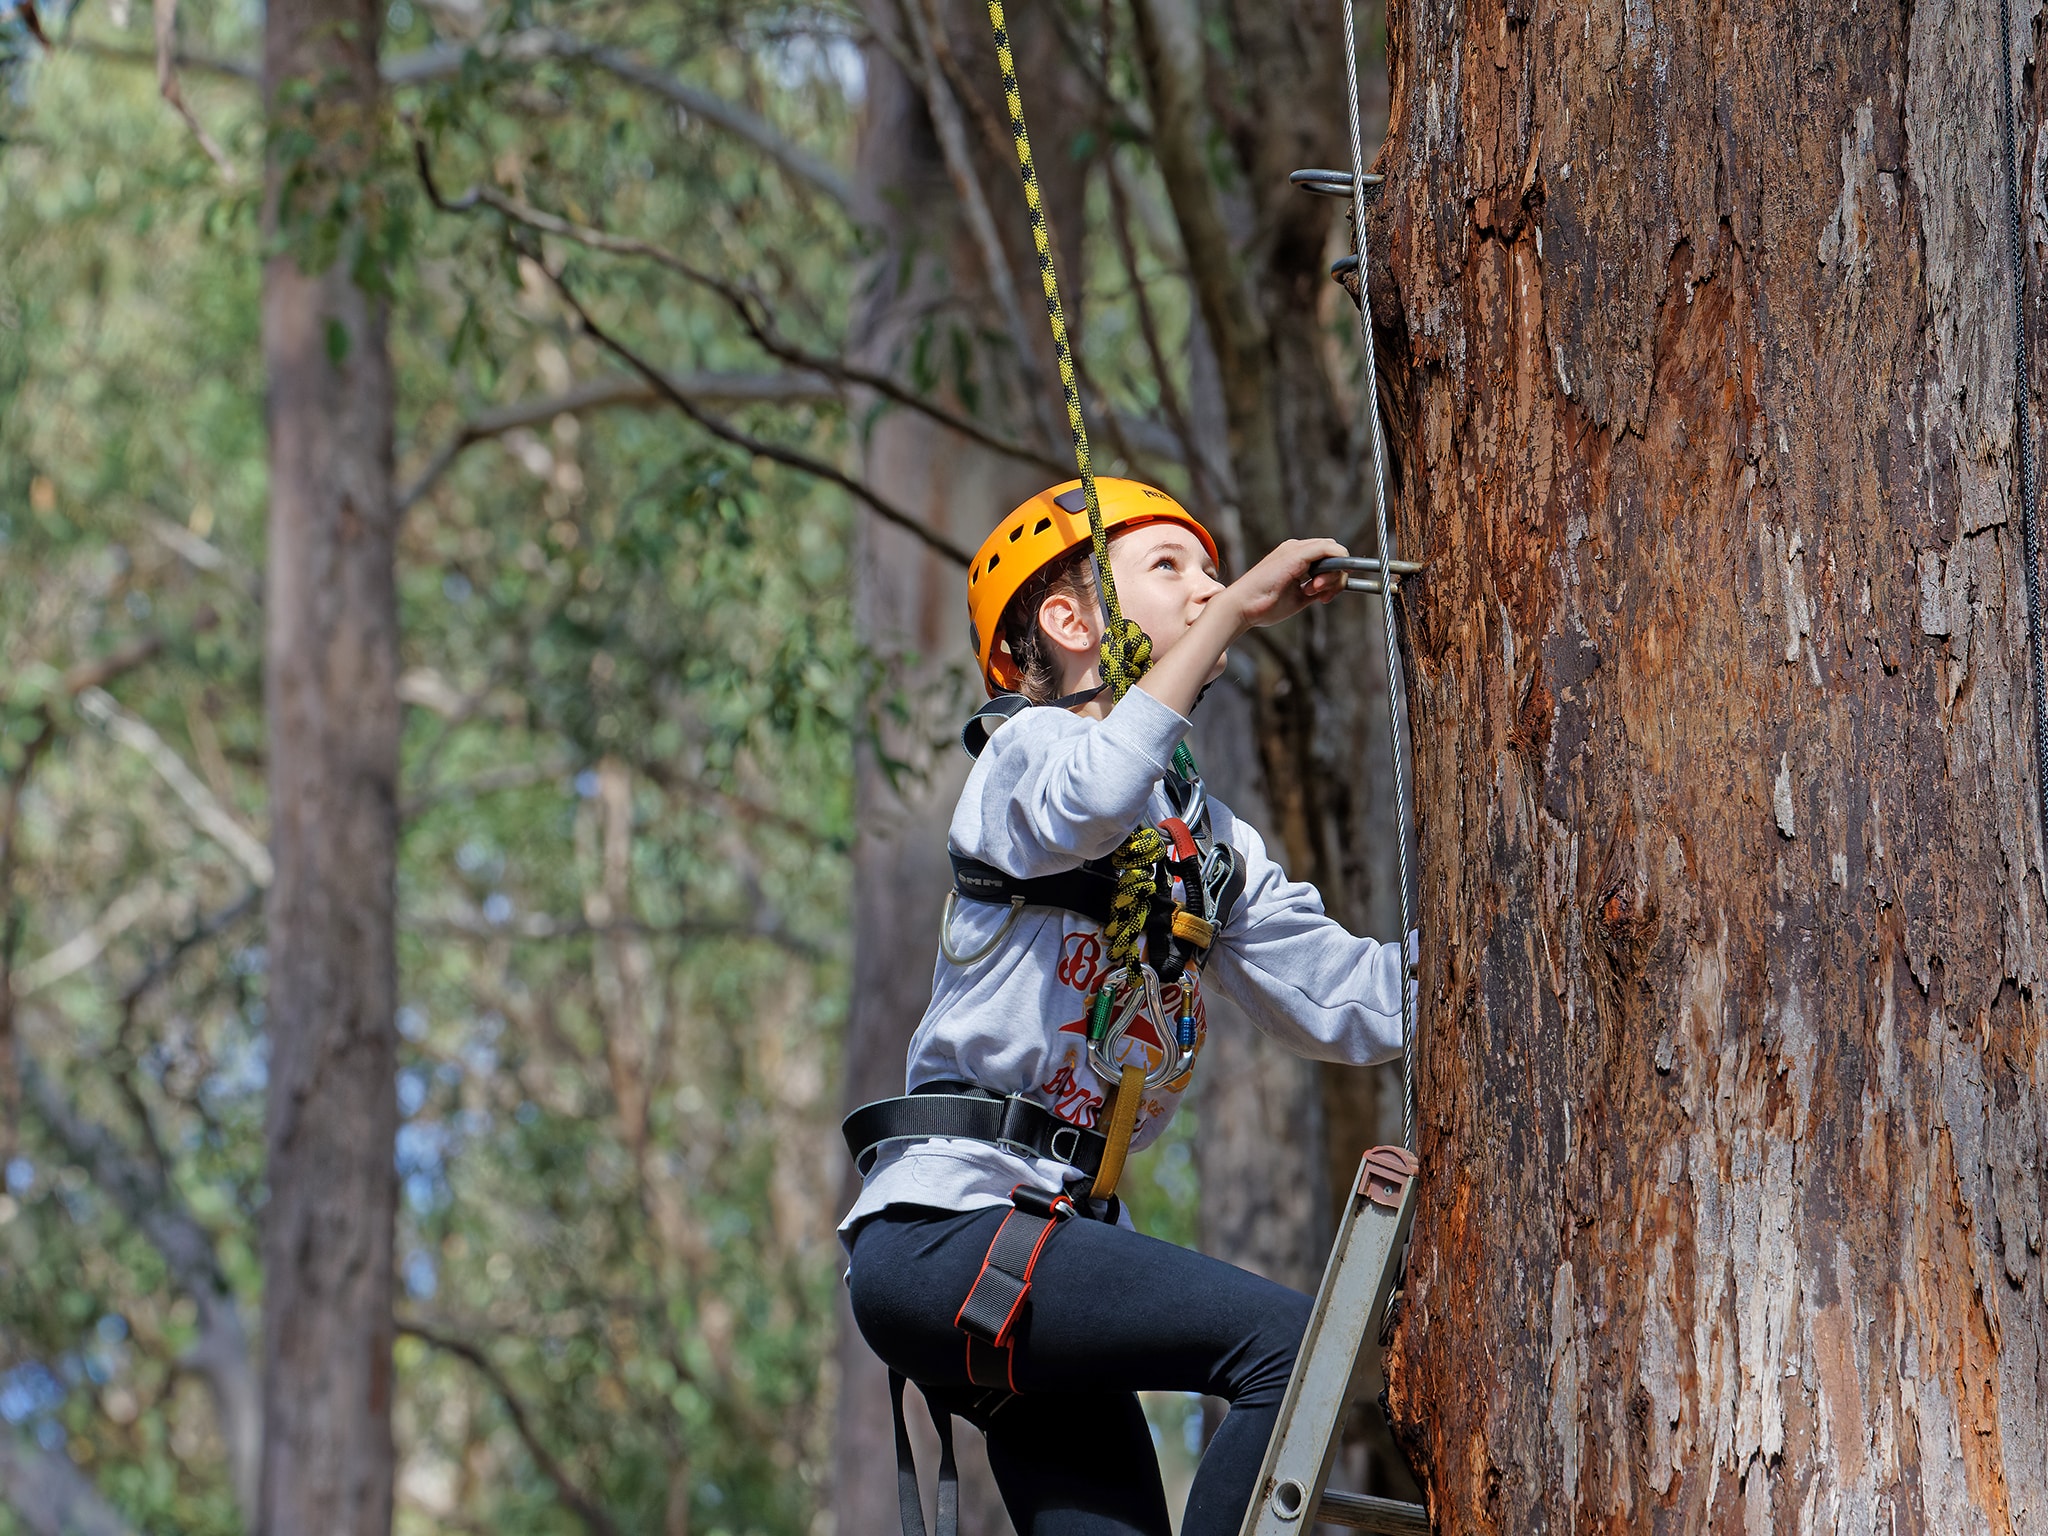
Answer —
1065 622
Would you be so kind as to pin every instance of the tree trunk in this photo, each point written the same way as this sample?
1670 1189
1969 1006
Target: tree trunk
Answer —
1733 1067
330 696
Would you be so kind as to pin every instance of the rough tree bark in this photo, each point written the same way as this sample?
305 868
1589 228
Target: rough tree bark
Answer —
1733 1069
330 696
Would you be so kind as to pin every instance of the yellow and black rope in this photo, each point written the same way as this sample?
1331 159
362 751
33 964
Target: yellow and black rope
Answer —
1126 649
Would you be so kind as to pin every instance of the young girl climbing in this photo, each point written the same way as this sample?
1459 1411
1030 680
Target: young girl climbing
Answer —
991 1262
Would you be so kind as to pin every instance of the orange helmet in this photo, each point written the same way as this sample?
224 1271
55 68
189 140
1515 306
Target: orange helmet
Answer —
1038 533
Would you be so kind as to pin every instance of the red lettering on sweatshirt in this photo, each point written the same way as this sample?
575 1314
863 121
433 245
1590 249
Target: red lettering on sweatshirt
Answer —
1070 1100
1080 961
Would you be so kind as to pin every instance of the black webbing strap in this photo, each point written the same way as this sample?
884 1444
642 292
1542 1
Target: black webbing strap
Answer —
964 1111
946 1518
1088 889
996 1299
988 719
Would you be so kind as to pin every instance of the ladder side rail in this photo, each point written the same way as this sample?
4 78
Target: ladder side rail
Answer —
1357 1282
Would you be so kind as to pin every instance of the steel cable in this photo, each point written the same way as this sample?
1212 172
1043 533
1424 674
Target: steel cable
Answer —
1397 713
2022 360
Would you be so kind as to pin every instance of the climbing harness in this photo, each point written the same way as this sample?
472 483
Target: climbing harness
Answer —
965 1111
2022 368
1195 888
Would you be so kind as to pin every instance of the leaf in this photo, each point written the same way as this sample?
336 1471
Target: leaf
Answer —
337 341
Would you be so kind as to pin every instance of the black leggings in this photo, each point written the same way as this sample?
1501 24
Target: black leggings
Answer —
1111 1313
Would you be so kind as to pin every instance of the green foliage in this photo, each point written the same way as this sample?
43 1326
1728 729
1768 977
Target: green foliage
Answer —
635 688
634 693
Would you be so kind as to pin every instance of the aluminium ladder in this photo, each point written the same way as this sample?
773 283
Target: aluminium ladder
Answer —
1358 1283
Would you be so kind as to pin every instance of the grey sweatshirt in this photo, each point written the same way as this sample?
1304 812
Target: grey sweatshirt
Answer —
1050 791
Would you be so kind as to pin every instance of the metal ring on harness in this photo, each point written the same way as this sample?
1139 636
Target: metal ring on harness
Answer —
1175 1061
1001 933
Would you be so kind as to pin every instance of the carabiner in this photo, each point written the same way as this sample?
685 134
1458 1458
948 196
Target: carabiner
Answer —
1175 1059
946 931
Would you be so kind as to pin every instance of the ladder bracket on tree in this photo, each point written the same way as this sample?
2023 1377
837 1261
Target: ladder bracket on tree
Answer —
1359 1286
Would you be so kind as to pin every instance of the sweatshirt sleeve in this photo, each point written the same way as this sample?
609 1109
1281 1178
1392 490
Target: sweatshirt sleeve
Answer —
1318 990
1053 789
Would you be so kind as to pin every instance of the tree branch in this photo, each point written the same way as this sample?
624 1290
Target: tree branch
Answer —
1169 392
89 943
747 305
497 781
602 394
573 1498
208 814
671 780
243 71
887 510
81 678
540 926
1169 48
445 60
50 1496
147 1199
201 932
537 43
165 13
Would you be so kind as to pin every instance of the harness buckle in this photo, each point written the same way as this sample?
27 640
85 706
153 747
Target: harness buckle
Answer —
1065 1144
1036 1202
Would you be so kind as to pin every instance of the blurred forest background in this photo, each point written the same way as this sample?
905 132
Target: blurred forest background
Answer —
714 332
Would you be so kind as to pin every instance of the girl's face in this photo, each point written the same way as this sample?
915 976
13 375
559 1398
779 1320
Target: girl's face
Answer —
1164 579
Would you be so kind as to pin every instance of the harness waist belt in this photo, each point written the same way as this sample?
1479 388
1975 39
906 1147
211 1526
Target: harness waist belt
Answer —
965 1111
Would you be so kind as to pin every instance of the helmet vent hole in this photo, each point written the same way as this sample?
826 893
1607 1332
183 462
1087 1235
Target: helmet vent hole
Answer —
1016 533
994 561
1042 524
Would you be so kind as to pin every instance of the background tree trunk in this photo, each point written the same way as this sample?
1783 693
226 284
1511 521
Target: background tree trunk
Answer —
929 283
332 704
1280 1134
1733 1073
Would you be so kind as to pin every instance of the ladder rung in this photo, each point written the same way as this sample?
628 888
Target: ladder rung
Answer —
1364 1512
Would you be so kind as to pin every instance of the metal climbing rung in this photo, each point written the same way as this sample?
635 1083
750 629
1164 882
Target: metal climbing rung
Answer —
1362 573
1358 1282
1330 183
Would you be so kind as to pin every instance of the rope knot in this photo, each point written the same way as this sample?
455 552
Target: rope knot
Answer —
1136 861
1126 653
